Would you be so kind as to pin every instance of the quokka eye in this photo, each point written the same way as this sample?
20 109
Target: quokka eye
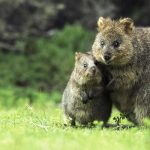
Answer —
85 65
102 43
116 44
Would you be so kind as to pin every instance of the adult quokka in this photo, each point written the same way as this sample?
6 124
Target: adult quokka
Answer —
124 52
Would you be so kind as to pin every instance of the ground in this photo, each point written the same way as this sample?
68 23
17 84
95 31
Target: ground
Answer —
39 127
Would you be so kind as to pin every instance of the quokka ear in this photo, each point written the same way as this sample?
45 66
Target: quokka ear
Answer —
102 23
127 24
78 55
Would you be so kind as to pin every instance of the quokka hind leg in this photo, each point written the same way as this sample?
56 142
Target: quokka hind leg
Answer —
105 125
69 121
72 122
142 105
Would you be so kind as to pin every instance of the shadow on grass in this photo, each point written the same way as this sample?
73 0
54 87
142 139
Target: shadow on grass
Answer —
94 126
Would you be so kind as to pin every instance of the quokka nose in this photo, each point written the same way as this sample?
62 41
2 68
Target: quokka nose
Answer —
93 69
107 56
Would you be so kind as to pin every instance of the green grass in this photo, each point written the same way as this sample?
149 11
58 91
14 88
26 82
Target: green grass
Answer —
40 128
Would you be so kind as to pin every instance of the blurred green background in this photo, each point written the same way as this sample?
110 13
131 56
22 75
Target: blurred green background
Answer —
38 39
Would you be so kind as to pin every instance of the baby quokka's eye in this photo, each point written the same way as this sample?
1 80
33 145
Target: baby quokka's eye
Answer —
116 44
102 43
85 65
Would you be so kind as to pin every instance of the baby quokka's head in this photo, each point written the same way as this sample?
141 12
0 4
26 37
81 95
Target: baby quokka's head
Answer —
85 69
113 43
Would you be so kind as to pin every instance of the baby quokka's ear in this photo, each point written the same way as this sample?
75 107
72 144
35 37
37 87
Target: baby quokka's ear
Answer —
127 24
103 23
78 55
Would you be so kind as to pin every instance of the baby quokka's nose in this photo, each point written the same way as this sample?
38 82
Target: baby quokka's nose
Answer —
107 56
93 69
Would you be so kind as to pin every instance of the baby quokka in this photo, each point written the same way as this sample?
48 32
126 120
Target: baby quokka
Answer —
84 99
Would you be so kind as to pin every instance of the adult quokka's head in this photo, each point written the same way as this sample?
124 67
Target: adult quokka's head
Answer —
113 43
86 69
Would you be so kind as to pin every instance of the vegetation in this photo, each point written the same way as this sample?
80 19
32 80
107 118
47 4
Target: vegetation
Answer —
40 127
36 58
44 64
30 91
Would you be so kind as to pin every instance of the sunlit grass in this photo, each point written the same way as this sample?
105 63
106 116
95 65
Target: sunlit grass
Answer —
41 128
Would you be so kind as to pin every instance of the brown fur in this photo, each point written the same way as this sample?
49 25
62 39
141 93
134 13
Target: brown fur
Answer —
128 68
